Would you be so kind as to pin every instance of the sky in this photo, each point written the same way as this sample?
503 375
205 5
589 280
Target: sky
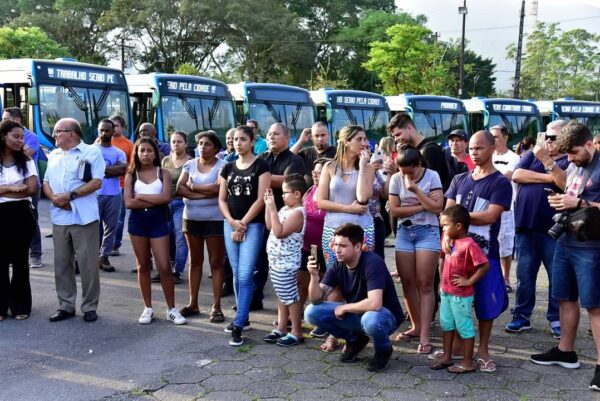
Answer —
492 25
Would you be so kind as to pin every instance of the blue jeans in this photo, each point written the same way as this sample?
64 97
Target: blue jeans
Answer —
179 248
243 257
378 325
109 207
576 275
121 222
533 248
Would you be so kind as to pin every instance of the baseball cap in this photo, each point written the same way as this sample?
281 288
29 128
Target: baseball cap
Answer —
459 133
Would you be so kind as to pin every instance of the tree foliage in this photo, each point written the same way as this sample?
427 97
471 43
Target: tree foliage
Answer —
409 62
558 64
479 77
28 43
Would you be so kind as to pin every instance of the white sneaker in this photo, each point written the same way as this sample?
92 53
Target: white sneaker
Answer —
174 316
147 316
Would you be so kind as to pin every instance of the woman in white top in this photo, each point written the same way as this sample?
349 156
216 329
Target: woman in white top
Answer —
148 193
18 182
203 221
416 198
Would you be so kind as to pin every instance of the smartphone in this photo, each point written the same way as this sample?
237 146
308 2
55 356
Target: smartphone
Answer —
377 155
313 252
549 191
541 139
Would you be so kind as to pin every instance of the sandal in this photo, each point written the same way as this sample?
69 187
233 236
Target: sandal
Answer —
488 366
330 344
460 369
186 311
21 317
439 354
424 349
406 336
216 316
440 365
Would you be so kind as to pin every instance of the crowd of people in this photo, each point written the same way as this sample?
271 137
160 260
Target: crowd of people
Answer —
315 218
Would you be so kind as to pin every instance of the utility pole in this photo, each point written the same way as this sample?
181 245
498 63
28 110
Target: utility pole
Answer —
123 63
517 85
462 11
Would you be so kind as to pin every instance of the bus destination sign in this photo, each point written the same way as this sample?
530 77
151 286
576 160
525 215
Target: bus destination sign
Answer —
580 109
64 73
512 108
360 101
199 88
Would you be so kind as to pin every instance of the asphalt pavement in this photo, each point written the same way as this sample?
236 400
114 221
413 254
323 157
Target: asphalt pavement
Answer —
115 358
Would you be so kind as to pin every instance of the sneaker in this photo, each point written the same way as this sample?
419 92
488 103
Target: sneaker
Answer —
555 332
273 336
318 333
115 252
155 278
229 329
236 337
595 383
380 360
174 316
517 325
35 262
353 348
566 359
289 340
104 264
147 316
177 278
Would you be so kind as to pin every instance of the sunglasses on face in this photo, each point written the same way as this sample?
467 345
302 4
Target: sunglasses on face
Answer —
550 138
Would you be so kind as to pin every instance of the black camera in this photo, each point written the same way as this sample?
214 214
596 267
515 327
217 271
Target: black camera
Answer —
561 223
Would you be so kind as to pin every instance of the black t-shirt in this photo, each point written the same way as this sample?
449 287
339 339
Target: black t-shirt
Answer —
309 155
370 274
242 188
435 160
284 163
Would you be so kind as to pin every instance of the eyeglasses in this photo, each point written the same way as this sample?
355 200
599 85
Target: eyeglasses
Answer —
550 138
60 131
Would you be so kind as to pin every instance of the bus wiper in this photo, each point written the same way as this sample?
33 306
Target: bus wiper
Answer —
506 123
296 115
79 102
191 110
351 116
103 96
373 118
212 111
273 112
431 121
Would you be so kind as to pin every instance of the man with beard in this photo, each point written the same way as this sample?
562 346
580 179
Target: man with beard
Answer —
575 272
322 148
109 196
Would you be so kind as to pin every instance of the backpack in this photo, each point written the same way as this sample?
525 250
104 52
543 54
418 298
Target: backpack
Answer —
453 166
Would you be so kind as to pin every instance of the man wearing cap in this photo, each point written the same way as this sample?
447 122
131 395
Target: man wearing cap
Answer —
458 141
74 174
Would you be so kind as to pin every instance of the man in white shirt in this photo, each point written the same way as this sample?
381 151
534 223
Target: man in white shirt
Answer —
506 162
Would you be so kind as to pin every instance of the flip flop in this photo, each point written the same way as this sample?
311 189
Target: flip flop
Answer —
439 354
406 336
216 317
486 366
440 365
460 369
330 344
187 312
424 349
21 317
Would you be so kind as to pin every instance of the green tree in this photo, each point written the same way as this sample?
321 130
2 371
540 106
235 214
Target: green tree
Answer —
187 69
28 43
409 62
479 77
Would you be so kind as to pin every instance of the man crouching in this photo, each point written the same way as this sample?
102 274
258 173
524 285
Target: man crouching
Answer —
372 308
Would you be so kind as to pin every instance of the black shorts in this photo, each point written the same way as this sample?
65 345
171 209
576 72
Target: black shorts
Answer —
205 228
320 261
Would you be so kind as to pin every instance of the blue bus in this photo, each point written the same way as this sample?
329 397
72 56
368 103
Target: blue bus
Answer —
434 116
274 103
567 109
48 90
181 103
520 117
338 108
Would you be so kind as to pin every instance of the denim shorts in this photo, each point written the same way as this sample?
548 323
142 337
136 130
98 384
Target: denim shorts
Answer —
576 274
455 314
152 222
418 238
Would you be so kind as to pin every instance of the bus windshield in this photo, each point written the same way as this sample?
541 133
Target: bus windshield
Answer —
374 121
88 106
438 125
592 122
520 126
192 114
295 116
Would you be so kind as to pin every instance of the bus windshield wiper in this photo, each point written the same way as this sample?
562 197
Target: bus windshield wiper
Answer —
212 111
373 118
296 115
79 102
431 121
191 110
99 104
273 112
506 122
351 116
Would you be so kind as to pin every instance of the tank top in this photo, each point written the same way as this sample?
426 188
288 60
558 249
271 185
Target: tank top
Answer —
345 194
154 188
284 253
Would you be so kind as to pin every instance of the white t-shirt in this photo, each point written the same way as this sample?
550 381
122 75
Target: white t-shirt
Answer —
428 183
206 208
505 163
10 176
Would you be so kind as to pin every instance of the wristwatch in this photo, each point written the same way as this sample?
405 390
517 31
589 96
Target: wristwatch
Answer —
72 195
550 167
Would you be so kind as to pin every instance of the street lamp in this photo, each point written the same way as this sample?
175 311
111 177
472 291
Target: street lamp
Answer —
462 11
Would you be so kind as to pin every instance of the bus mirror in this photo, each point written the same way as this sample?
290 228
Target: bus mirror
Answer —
32 95
155 99
486 118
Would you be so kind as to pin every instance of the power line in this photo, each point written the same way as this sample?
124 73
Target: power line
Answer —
493 28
